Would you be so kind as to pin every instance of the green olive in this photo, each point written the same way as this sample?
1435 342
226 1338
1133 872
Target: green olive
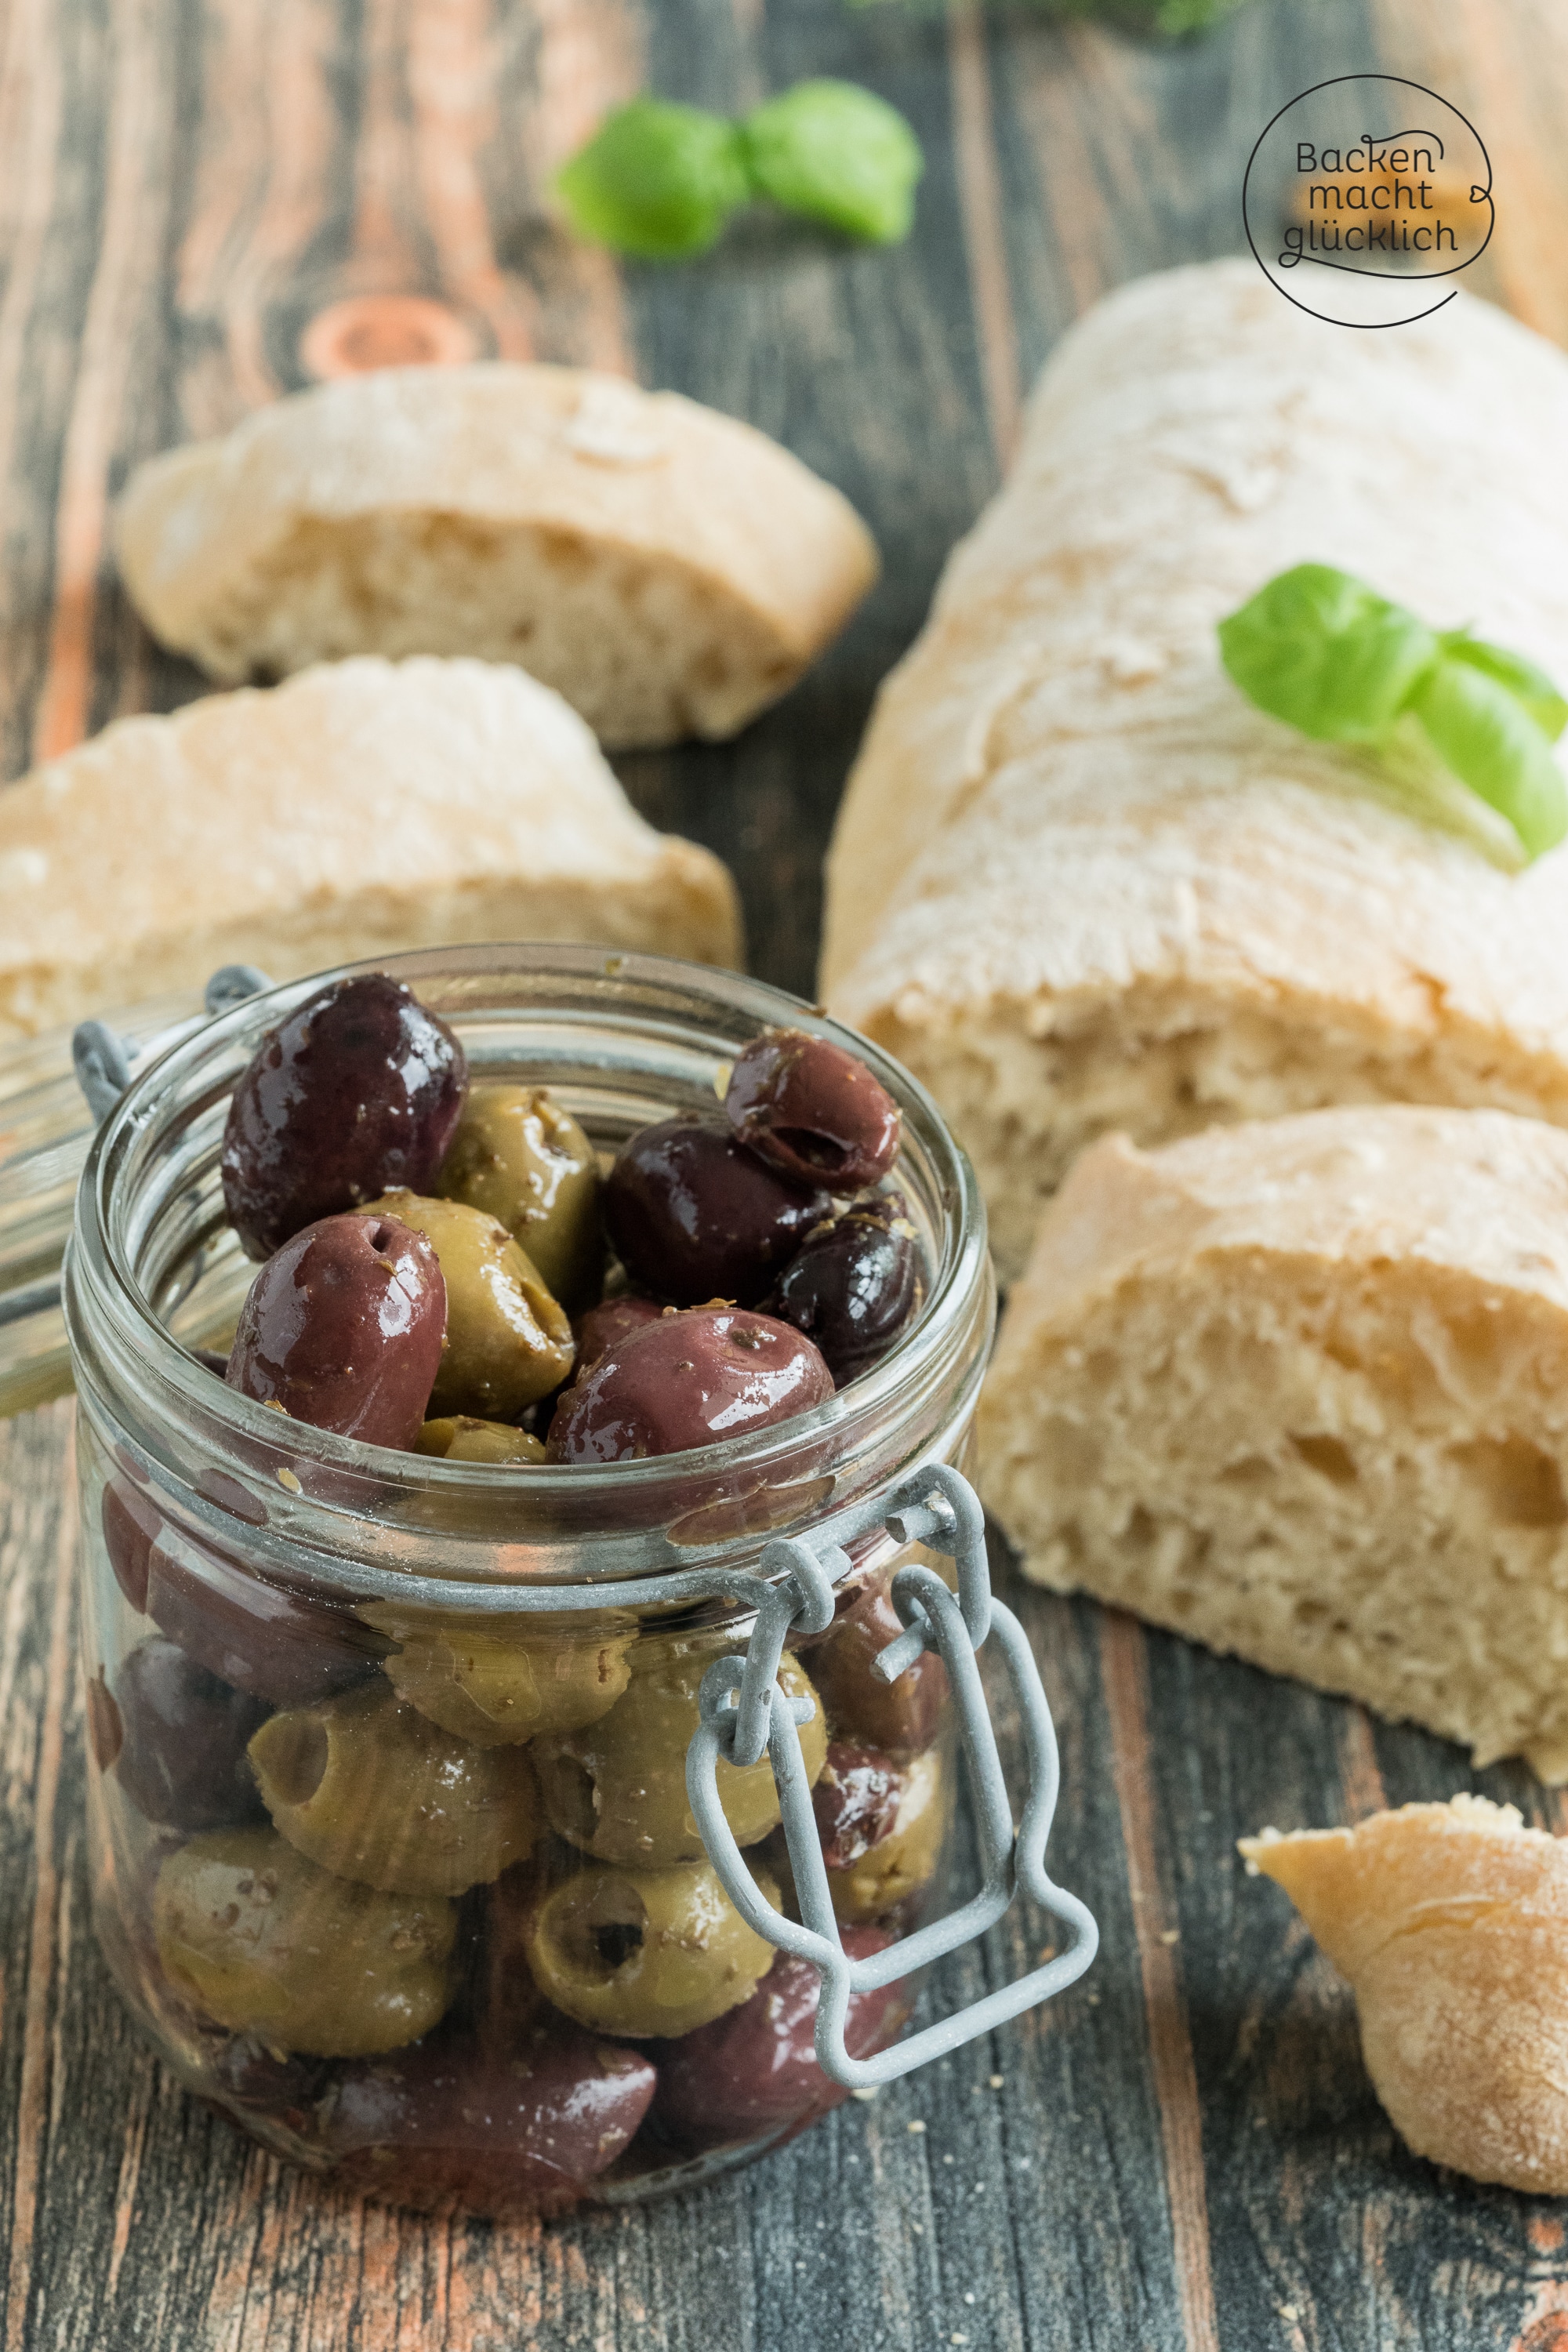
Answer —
497 1683
617 1788
374 1790
645 1951
507 1342
903 1862
462 1437
260 1940
524 1159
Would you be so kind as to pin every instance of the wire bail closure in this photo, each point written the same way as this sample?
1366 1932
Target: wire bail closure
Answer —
744 1712
102 1059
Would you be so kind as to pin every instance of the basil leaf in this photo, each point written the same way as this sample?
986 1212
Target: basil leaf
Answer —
1530 688
1485 736
1325 653
656 180
836 153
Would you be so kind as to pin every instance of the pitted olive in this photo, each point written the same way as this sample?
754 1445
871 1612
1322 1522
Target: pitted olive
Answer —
261 1941
525 1161
813 1110
645 1951
617 1788
902 1716
496 1684
358 1090
370 1788
342 1328
689 1380
462 1437
507 1342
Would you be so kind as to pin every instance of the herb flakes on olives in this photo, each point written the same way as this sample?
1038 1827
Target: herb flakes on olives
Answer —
692 1215
693 1379
854 1285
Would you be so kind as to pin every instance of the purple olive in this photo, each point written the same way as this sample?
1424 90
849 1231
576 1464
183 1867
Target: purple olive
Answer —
273 1644
358 1091
901 1718
693 1215
696 1379
613 1320
344 1328
753 2071
813 1111
852 1286
855 1802
132 1526
458 2121
182 1759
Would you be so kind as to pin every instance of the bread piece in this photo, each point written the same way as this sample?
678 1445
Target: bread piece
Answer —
1300 1390
1078 882
365 807
1450 1922
666 569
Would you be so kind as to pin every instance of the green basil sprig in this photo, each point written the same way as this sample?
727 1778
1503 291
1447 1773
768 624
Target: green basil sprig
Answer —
1327 654
660 181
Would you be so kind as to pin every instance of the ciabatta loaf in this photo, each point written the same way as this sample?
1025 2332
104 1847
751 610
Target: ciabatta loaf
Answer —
669 569
1078 882
364 807
1300 1390
1450 1923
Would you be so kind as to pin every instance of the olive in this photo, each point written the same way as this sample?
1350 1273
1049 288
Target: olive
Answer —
613 1320
693 1215
508 1342
105 1731
617 1788
342 1328
267 2083
813 1111
502 2131
274 1643
495 1684
901 1718
263 1942
753 2071
131 1527
525 1161
184 1735
372 1790
691 1379
643 1951
851 1287
870 1876
460 1437
358 1090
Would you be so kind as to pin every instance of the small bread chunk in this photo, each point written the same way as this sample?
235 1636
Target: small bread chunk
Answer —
1299 1390
669 569
361 809
1079 883
1450 1922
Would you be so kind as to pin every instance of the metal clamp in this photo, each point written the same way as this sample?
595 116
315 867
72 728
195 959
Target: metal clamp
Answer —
744 1711
102 1059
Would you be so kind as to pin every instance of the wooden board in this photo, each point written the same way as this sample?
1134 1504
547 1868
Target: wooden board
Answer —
197 197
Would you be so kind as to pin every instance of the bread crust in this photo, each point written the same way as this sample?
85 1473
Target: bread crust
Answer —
449 509
364 807
1449 1921
1299 1390
1075 866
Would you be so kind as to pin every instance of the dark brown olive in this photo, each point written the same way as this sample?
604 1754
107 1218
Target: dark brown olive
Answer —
851 1287
266 2082
613 1320
131 1527
274 1643
753 2071
344 1328
856 1802
693 1215
358 1090
696 1379
813 1111
878 1862
901 1718
458 2121
182 1759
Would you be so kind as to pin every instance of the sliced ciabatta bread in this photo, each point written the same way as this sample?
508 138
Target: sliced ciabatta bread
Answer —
1300 1390
364 807
1078 882
1449 1922
669 570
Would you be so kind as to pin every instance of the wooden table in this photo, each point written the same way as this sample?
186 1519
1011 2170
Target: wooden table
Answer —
198 198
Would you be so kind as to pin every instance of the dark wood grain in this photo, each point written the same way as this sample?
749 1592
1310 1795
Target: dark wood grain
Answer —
1183 2153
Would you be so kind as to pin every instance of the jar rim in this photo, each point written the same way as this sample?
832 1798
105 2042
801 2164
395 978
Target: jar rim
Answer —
115 1323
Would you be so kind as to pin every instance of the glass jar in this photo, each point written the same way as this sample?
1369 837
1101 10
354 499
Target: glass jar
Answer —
392 1849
